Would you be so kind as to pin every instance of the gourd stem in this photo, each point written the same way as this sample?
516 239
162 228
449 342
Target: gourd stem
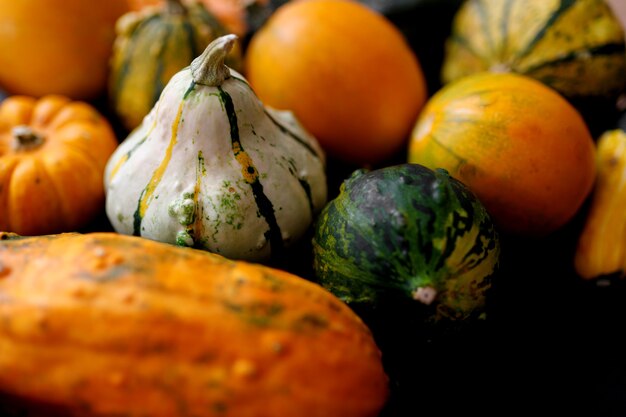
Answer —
24 137
425 295
175 7
209 68
500 68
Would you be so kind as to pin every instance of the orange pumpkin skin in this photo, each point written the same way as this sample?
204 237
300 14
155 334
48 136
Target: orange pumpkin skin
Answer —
132 327
345 71
57 47
54 185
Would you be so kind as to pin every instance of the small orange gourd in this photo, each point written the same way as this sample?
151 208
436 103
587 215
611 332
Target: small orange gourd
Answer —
52 156
113 325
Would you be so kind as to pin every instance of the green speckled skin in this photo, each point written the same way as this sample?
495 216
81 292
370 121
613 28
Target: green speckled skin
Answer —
405 227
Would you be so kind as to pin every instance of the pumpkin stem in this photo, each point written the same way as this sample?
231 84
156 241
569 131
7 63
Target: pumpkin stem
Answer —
24 138
425 295
175 7
209 68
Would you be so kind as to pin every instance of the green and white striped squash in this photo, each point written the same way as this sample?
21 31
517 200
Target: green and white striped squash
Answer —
152 45
410 232
576 47
212 168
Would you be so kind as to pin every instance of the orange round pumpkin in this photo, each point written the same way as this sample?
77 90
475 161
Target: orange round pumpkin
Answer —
57 47
519 145
344 70
114 325
52 156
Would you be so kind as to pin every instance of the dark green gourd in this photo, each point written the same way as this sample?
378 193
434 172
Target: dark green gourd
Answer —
410 231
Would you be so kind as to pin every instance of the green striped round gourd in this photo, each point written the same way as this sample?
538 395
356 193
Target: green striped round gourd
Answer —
576 47
407 231
211 167
151 46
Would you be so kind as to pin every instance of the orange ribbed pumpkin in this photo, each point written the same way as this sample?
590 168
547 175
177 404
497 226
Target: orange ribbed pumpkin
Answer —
52 156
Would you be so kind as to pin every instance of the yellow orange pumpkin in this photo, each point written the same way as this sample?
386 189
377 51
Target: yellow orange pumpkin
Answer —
52 156
520 146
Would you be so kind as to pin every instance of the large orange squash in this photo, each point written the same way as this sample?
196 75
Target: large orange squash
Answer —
52 156
113 325
520 146
57 47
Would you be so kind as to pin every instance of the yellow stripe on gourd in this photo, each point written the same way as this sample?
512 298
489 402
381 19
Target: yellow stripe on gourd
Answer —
248 171
158 173
124 158
118 165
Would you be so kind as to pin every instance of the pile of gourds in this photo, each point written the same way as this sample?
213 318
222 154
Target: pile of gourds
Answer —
182 304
